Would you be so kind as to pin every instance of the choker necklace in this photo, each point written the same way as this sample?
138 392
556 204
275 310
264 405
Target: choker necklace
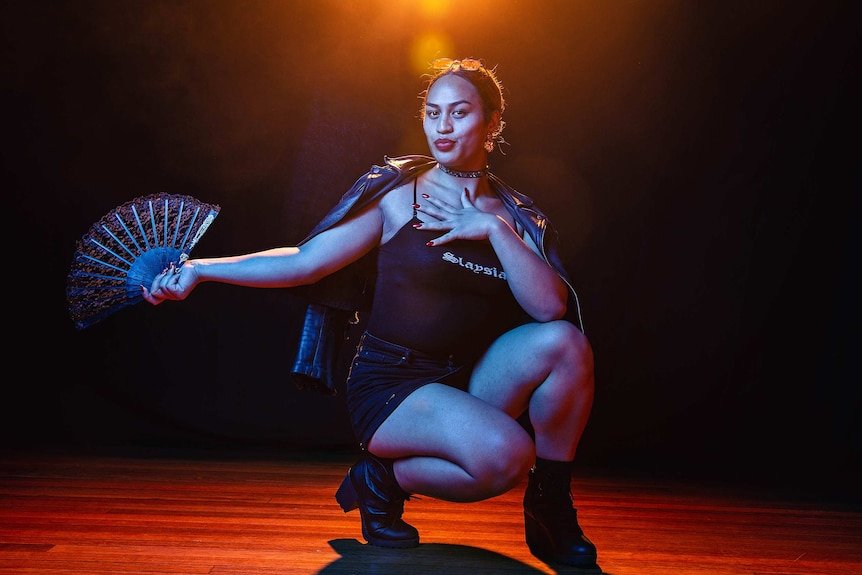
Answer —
460 174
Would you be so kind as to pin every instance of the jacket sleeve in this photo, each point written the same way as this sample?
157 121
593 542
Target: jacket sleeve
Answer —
334 305
318 348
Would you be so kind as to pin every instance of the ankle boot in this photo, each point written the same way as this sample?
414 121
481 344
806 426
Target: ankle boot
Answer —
550 519
370 485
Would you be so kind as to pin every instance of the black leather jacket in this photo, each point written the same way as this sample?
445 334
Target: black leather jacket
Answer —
336 300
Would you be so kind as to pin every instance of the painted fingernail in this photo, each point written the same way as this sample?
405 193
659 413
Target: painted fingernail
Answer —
425 196
430 244
415 205
417 225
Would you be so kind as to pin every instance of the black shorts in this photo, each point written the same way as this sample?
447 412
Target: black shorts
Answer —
383 374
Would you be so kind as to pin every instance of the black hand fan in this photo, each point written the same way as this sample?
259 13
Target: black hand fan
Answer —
129 247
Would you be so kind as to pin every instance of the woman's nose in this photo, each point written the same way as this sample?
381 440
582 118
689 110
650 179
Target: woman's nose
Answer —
444 126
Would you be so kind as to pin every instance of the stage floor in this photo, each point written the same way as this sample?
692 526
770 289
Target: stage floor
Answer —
184 513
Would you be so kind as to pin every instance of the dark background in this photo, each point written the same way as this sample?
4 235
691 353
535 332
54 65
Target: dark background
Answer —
701 160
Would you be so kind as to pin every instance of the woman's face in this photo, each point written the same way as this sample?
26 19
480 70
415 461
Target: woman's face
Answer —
455 125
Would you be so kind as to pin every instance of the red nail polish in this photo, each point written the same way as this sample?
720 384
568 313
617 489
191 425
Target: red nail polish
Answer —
430 244
417 225
425 196
415 205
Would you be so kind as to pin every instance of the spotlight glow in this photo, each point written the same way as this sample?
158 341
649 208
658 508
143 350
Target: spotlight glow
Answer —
428 46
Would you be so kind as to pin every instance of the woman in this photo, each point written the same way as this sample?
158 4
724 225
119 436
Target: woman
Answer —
467 330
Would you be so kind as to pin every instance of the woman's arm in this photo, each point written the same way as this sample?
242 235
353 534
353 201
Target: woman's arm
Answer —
535 284
292 266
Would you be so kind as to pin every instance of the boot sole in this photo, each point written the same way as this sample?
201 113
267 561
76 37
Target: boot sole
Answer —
584 568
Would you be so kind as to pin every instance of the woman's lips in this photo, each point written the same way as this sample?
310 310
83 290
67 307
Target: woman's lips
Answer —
444 145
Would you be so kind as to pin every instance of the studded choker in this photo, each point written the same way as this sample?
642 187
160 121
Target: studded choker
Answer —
460 174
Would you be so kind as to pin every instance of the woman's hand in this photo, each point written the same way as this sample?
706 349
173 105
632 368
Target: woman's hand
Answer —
175 283
535 284
463 222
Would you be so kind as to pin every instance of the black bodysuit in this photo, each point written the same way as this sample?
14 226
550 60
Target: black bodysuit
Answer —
443 300
435 310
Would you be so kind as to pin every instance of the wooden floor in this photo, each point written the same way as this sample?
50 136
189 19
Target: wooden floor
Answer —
227 515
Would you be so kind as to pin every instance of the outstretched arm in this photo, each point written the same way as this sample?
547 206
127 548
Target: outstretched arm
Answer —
322 255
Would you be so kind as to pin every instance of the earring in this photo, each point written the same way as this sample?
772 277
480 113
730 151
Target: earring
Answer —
489 143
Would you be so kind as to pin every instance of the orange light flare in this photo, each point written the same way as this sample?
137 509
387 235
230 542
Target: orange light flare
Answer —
434 18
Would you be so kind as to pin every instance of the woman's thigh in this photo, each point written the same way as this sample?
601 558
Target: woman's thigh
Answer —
522 359
441 421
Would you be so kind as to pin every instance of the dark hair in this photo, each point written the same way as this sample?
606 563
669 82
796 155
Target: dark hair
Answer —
486 83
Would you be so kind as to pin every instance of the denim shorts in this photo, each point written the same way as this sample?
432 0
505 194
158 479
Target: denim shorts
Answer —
383 374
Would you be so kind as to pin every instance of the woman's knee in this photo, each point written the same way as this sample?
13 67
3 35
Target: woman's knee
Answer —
565 343
505 461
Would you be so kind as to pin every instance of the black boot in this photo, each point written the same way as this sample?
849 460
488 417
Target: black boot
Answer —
550 519
370 485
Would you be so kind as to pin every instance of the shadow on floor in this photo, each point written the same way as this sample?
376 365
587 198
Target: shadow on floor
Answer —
430 559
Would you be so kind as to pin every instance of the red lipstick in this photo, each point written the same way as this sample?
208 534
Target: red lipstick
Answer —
444 145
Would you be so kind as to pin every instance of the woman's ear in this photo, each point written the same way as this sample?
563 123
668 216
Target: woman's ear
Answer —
494 123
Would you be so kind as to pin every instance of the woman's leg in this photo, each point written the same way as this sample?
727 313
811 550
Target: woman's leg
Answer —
457 446
442 442
451 445
547 369
467 447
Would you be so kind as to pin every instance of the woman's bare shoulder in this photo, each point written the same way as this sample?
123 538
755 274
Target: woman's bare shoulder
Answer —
396 207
